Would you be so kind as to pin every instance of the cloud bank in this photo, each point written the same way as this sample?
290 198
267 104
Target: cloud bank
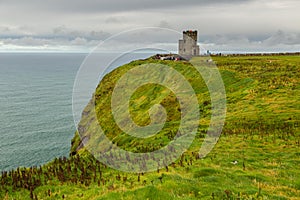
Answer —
237 25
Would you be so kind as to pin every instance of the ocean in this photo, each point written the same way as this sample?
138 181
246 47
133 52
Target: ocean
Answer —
36 121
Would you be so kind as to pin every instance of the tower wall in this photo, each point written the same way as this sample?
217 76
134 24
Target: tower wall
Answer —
188 45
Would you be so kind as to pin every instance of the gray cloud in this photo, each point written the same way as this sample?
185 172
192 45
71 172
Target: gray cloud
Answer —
220 23
281 37
165 24
114 20
109 6
278 38
64 32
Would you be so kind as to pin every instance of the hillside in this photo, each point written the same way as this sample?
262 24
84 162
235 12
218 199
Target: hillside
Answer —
256 157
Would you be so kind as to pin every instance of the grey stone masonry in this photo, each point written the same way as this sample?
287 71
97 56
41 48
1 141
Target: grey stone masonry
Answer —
188 45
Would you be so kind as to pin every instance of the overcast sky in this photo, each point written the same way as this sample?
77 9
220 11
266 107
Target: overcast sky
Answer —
77 25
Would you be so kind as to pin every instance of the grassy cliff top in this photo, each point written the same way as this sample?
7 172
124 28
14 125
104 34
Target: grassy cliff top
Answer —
256 156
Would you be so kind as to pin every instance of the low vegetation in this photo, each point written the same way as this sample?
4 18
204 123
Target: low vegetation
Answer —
256 157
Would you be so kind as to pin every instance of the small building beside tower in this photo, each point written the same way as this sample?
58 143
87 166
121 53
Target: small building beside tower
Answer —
188 46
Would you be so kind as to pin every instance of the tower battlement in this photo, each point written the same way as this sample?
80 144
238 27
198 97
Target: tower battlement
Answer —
191 34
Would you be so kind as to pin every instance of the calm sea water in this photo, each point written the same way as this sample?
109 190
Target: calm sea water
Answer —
36 121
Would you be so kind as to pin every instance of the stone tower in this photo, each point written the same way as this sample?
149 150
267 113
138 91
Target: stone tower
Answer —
188 45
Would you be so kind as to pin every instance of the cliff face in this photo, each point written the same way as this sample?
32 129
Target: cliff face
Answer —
76 144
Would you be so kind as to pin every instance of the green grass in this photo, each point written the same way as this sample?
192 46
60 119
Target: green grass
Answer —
261 133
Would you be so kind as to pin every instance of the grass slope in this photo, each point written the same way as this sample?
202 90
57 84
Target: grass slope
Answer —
261 133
